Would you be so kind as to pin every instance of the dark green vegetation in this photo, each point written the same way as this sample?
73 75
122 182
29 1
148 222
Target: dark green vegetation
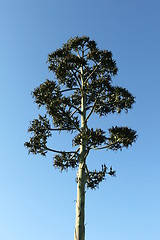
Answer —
82 87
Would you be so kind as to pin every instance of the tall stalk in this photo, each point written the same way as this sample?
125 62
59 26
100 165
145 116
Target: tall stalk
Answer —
81 178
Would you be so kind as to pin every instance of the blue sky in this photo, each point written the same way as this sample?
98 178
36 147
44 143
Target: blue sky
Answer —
38 202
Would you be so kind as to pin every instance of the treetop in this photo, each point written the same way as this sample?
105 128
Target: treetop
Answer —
83 76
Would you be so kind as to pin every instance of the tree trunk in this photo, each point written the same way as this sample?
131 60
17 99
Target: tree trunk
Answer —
80 204
81 178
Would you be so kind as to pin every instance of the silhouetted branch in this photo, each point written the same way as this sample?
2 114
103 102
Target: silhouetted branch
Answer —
74 153
69 89
76 108
62 129
75 111
91 111
57 151
107 146
79 83
92 72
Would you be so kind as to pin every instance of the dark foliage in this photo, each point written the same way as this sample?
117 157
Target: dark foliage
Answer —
62 101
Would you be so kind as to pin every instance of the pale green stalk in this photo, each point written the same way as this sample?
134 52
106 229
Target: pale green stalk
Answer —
81 178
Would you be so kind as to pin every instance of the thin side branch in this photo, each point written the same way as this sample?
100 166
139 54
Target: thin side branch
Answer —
91 111
87 170
100 148
77 128
57 151
87 108
79 83
76 108
69 89
92 73
75 153
86 49
75 111
87 69
62 129
106 146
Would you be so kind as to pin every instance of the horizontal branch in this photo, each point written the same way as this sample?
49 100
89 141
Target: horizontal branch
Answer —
106 146
100 148
69 89
57 151
62 129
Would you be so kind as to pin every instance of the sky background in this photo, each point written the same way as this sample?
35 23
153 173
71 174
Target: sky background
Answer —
37 201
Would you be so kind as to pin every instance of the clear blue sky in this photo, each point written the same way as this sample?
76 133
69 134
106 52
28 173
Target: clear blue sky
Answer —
36 201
